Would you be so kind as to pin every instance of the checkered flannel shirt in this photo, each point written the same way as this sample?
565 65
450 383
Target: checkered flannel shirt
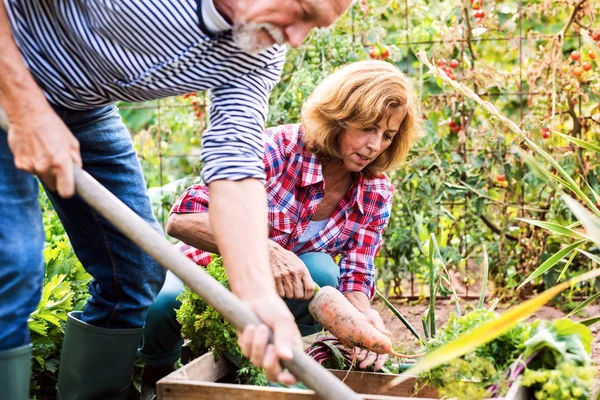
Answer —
295 188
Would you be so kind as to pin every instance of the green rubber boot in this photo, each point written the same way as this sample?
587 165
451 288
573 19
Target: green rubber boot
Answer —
15 371
96 363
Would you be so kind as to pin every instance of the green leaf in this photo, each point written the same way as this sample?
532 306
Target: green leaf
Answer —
439 254
579 142
590 321
400 317
432 291
550 262
567 265
591 256
565 326
584 304
590 223
484 277
594 193
556 228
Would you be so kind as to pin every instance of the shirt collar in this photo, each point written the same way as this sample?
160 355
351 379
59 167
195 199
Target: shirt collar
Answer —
211 20
360 192
312 171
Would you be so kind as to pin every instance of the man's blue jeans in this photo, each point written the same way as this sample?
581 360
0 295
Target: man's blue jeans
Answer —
162 334
126 279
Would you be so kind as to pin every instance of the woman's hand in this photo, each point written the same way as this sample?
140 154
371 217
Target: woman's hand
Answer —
292 279
362 304
365 357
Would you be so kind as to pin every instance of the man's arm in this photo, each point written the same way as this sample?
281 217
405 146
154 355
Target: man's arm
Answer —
39 140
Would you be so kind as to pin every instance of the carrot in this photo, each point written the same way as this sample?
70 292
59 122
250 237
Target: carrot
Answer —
332 310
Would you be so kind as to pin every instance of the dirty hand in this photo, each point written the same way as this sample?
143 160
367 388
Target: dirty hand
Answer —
365 357
254 340
44 146
292 279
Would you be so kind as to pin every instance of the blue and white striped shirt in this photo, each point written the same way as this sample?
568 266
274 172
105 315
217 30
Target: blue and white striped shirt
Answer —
90 53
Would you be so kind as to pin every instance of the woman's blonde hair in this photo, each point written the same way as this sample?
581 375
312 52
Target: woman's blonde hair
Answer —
359 95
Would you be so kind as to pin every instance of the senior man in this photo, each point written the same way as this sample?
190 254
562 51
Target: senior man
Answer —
64 64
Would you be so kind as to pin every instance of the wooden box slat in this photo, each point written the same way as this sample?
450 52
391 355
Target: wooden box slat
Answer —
198 380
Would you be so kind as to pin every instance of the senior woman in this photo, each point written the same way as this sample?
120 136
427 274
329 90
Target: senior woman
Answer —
328 200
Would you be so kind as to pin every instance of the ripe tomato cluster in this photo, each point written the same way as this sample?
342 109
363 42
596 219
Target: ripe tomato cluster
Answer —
195 106
502 180
454 126
379 52
545 132
584 66
448 68
478 13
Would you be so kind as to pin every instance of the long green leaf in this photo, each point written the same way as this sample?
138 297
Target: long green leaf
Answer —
439 254
400 317
591 189
579 142
589 321
484 277
567 265
583 305
432 291
488 331
556 228
591 256
590 223
541 171
550 262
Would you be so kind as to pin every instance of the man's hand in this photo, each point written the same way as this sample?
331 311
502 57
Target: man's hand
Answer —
254 341
39 140
43 145
292 279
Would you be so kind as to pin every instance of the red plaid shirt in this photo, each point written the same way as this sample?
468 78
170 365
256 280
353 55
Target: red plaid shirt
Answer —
295 188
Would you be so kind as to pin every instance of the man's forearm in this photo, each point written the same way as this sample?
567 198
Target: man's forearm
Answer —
238 218
193 229
19 93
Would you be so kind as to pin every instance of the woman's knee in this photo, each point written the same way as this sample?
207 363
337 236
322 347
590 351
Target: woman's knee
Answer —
164 308
323 270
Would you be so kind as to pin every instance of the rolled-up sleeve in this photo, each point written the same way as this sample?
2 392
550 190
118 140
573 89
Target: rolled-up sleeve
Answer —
357 269
233 145
195 199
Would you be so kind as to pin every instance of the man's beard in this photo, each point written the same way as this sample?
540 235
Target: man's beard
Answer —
251 37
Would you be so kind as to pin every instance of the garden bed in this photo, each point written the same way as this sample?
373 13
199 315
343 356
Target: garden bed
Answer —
206 379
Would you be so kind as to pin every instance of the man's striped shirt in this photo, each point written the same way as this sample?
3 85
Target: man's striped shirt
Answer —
90 53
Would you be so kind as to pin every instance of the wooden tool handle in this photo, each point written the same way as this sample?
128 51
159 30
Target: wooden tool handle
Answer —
324 383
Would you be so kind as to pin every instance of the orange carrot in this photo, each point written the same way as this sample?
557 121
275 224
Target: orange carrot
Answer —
332 310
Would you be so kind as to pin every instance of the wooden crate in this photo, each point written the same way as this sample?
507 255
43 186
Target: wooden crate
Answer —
199 380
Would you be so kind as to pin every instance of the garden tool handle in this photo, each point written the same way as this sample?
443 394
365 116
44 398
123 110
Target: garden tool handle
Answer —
239 314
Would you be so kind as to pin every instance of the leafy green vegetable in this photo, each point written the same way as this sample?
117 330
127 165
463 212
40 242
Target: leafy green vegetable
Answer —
564 382
557 342
207 330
